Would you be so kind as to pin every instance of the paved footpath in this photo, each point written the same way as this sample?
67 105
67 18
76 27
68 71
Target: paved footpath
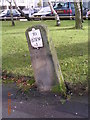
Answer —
41 105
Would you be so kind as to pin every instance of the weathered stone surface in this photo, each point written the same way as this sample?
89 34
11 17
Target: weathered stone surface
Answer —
42 61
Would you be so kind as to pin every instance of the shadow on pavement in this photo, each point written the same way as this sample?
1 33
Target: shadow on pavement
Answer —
42 105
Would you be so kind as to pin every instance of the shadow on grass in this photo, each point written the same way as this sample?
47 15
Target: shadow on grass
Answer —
17 62
72 50
63 28
20 59
14 33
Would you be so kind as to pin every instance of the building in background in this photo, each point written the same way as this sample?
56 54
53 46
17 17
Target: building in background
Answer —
5 5
28 3
21 3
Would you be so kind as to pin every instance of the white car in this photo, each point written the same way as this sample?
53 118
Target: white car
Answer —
27 10
88 14
46 11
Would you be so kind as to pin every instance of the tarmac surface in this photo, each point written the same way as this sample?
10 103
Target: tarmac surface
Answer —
41 105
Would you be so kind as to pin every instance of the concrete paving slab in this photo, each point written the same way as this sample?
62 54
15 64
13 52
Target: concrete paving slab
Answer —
41 105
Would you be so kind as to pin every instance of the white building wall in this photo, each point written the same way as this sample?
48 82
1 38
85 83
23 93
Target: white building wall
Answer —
26 3
19 2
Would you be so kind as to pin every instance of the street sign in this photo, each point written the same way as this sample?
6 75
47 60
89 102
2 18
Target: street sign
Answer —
35 38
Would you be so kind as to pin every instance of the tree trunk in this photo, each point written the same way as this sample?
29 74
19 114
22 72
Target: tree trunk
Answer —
13 24
11 13
22 13
81 7
54 12
78 18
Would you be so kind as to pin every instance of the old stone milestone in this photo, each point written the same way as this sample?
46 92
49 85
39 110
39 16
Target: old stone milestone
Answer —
42 60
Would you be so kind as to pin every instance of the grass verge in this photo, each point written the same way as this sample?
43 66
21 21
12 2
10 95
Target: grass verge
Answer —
71 47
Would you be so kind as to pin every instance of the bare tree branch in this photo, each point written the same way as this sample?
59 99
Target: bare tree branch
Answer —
22 13
81 7
8 1
11 13
55 13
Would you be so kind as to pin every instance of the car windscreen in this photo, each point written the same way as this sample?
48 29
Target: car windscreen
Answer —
72 6
4 12
61 5
45 9
15 11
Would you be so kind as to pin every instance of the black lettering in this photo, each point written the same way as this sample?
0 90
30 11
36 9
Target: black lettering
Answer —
36 39
39 38
34 33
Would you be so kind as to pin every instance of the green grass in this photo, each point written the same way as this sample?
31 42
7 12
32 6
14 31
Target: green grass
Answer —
71 47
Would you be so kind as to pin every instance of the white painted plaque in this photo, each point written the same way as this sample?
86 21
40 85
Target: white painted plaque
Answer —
35 38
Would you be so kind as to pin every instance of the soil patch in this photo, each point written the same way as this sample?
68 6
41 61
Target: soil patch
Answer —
79 88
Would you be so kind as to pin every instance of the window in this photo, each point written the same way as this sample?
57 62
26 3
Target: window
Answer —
61 5
72 5
14 11
8 12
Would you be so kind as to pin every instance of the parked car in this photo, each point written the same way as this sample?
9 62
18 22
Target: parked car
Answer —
88 14
46 11
62 8
1 10
6 13
37 9
67 9
27 10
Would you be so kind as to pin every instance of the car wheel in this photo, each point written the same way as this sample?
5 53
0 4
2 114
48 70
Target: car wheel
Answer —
73 17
